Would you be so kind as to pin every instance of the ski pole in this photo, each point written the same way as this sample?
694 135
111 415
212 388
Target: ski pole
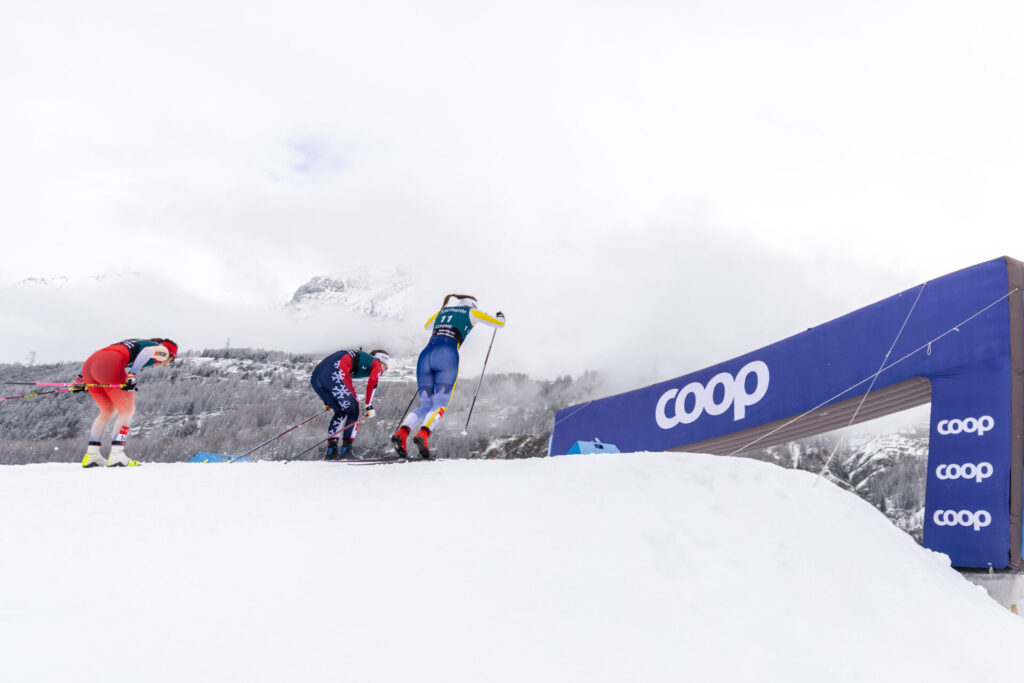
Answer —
401 417
58 384
478 384
253 450
329 437
38 393
67 388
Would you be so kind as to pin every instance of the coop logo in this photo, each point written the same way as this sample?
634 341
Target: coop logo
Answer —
978 520
733 393
970 425
979 472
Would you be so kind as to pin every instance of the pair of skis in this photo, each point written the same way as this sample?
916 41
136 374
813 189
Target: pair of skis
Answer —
375 461
387 460
400 456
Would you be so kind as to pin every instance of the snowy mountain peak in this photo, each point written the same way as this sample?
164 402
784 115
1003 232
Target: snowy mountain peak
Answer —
45 281
373 294
56 281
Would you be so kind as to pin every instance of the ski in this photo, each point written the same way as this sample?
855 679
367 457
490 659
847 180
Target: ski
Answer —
378 461
360 461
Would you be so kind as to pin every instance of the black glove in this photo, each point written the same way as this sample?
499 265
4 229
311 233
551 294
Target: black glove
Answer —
79 384
130 384
370 412
500 316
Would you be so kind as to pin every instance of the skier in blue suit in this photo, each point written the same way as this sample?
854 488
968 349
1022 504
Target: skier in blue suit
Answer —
437 369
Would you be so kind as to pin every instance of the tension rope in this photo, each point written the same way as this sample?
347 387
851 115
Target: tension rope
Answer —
864 397
927 345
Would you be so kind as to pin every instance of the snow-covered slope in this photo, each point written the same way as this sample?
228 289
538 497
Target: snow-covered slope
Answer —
636 567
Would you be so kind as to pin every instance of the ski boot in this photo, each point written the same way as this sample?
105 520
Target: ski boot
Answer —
118 458
398 441
332 452
92 456
346 449
421 443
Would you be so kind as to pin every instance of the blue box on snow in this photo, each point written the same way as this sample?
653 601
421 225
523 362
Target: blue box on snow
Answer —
216 457
584 447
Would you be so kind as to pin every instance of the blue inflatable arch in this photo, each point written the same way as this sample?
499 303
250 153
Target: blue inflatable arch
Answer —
956 341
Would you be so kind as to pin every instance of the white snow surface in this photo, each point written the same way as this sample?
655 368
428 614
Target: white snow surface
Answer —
633 567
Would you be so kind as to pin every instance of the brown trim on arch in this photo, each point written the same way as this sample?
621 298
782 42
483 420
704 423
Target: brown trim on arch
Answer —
903 396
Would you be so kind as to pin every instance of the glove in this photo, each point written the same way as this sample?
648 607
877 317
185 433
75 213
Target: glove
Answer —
327 407
130 384
370 412
79 384
500 316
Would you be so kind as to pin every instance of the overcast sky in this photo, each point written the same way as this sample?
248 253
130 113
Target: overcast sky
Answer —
644 186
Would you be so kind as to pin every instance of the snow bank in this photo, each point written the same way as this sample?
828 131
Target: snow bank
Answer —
639 567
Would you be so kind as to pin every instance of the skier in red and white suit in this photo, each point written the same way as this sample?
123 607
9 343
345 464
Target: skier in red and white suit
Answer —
117 365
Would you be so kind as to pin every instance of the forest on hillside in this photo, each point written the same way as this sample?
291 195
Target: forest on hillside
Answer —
232 401
229 402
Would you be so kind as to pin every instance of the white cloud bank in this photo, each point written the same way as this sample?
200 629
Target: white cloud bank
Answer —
701 175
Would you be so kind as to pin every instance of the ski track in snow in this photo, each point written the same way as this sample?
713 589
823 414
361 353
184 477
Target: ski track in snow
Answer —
634 567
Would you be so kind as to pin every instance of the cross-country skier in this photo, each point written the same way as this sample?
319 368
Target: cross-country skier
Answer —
437 369
118 364
332 381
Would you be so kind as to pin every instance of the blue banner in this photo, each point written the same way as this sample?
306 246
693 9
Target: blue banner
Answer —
954 331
